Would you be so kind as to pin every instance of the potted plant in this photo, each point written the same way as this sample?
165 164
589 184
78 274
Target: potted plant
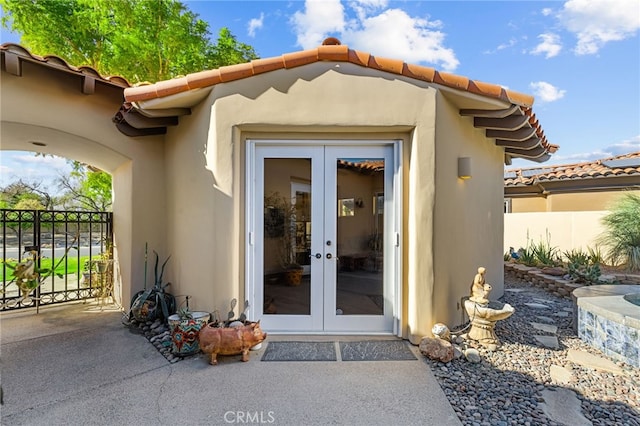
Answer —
97 271
280 225
154 302
185 326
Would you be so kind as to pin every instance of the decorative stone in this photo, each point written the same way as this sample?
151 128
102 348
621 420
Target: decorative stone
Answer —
550 342
472 355
537 306
560 374
441 331
457 352
547 328
592 361
437 349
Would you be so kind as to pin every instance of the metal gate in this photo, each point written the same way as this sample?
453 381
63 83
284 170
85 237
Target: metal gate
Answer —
72 249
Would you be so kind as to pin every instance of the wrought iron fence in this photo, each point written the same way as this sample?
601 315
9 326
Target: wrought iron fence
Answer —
75 246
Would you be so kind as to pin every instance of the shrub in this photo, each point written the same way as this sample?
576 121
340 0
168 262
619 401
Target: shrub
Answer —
584 266
622 232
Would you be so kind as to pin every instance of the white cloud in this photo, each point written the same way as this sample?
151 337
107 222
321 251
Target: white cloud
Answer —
547 11
613 150
624 147
546 92
550 45
255 24
512 42
16 165
389 32
318 20
597 22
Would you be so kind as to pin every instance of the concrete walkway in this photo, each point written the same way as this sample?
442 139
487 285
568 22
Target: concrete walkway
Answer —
78 365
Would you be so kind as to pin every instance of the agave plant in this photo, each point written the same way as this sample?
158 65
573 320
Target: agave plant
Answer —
622 232
154 302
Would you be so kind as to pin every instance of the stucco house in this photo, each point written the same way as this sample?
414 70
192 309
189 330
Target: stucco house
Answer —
584 186
392 176
565 203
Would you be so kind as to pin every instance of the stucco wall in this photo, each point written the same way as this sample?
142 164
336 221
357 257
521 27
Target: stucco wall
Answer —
564 230
568 202
47 106
468 213
206 172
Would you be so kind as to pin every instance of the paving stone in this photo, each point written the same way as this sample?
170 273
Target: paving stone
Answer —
593 361
550 342
515 290
560 374
537 306
561 314
545 319
547 328
563 406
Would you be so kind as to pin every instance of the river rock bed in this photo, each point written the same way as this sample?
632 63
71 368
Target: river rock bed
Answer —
506 387
159 335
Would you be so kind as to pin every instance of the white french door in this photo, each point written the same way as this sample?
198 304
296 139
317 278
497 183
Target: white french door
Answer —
323 234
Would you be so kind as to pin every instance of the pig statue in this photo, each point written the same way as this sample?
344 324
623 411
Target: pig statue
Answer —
230 340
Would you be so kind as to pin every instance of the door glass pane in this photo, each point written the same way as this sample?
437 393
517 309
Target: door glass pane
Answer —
287 236
360 213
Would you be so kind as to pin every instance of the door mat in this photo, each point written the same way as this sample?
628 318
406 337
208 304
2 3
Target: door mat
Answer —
300 351
376 350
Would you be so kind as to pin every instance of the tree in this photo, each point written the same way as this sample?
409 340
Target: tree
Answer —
86 188
141 40
23 195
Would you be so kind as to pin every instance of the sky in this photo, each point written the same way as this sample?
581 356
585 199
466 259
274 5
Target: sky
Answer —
580 59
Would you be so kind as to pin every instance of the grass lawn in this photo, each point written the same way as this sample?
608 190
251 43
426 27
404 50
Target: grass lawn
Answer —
68 266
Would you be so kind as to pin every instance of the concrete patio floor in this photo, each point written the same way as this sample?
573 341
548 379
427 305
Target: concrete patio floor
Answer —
78 365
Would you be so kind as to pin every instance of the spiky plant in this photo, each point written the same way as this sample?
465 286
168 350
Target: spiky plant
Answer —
622 232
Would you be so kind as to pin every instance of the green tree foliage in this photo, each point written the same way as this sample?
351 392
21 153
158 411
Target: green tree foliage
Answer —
86 188
24 195
141 40
622 235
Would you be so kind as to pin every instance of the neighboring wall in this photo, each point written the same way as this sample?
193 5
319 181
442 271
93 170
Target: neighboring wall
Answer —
566 230
568 202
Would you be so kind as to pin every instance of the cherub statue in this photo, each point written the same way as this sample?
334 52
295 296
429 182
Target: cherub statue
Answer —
480 289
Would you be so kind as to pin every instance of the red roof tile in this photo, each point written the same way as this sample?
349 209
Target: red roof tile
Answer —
52 61
622 165
336 53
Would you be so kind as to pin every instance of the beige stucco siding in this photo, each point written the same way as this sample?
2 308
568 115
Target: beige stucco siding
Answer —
48 107
568 202
206 159
468 213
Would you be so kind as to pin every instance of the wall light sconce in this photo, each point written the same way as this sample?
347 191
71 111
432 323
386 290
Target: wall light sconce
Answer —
464 167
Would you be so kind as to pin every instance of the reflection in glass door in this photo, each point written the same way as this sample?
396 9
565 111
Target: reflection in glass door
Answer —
321 217
359 183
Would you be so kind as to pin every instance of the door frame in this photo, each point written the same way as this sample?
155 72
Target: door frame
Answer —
395 261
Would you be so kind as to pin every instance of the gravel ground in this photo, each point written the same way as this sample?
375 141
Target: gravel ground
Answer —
506 387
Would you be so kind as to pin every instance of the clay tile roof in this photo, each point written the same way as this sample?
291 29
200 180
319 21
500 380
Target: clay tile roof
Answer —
13 54
331 50
620 166
514 128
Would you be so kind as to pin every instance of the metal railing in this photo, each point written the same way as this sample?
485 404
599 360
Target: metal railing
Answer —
77 244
